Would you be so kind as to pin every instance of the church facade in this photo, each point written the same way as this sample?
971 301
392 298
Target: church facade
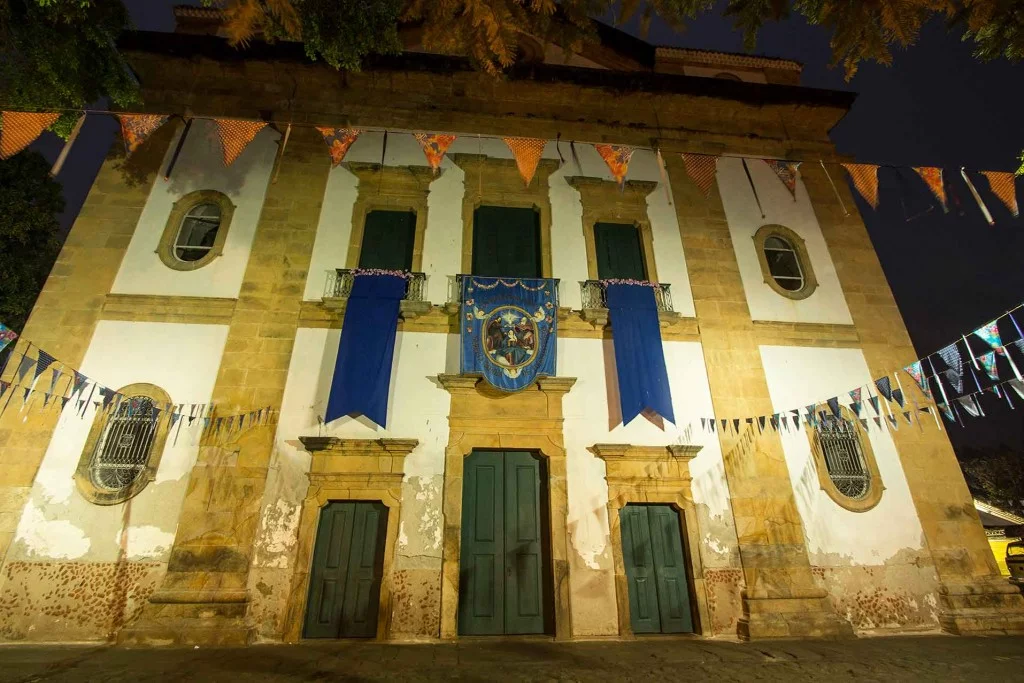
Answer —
476 511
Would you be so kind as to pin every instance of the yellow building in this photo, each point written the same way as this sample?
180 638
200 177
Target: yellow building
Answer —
227 287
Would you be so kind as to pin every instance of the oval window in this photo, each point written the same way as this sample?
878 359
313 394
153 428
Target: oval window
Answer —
125 445
840 447
198 232
784 263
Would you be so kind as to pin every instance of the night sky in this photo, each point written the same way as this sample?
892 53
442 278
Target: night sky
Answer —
936 106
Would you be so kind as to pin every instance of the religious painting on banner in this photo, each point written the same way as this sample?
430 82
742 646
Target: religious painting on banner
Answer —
509 330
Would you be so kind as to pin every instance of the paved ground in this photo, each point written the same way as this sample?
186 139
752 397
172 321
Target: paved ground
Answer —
906 658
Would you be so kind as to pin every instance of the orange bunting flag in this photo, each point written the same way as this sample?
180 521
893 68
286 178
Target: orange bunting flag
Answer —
338 141
786 171
701 168
1002 184
19 129
932 176
527 153
865 180
617 157
136 128
434 147
235 136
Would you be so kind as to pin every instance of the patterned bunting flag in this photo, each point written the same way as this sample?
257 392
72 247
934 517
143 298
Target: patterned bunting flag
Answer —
702 169
990 334
916 373
787 173
972 407
988 362
865 181
897 395
338 141
617 157
7 335
932 176
1003 186
947 411
136 128
884 387
434 147
45 360
19 129
833 404
775 422
235 136
527 153
950 355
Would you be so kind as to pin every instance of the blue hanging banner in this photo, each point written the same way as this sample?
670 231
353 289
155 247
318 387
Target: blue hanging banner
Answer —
639 355
362 373
509 329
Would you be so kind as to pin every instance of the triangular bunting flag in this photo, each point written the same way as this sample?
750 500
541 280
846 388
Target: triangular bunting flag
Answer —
796 419
969 404
760 422
786 171
711 421
884 387
865 181
932 176
988 362
736 425
864 423
19 129
338 141
64 402
7 335
1018 386
893 421
785 423
775 422
873 400
44 361
702 169
990 334
1003 186
724 424
235 136
136 128
947 411
703 423
878 421
3 387
950 355
434 147
916 373
897 395
53 380
527 153
833 405
906 416
24 366
617 157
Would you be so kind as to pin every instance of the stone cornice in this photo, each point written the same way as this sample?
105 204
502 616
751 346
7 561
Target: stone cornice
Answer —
625 451
644 187
455 383
358 447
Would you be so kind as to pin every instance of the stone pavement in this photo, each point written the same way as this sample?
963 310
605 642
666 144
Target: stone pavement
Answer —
901 658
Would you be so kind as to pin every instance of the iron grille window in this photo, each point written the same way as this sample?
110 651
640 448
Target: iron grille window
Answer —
844 456
123 449
784 264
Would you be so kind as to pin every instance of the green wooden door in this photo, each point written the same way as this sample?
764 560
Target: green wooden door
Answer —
502 558
348 562
388 238
619 253
506 242
652 551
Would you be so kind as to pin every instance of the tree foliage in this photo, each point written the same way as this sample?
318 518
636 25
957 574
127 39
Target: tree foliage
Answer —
996 476
62 55
29 203
344 31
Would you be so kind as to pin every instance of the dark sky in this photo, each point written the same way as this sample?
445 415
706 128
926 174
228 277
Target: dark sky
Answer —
935 106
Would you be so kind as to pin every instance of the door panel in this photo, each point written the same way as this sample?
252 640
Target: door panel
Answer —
523 596
482 564
619 251
348 562
637 556
670 570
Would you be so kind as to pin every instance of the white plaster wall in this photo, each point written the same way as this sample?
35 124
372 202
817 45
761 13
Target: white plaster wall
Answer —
200 167
797 377
333 232
58 523
827 304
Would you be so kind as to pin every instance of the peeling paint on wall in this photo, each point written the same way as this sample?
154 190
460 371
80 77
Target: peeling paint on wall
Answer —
278 534
50 538
146 541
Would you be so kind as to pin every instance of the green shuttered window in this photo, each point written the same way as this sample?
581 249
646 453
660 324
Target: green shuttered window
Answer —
619 252
388 238
506 242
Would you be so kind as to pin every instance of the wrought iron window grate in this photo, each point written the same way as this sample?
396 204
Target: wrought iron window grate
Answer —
841 448
122 452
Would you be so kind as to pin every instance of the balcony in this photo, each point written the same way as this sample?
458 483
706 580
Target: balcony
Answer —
595 303
339 286
455 292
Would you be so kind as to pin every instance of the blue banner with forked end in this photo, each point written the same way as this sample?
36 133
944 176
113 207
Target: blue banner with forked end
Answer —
639 355
362 373
509 329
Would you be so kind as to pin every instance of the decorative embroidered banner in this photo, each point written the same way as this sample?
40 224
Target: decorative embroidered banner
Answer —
617 157
916 373
362 373
136 129
865 181
988 362
639 353
951 357
338 141
786 171
932 176
1003 186
527 153
19 129
7 335
235 136
702 169
434 147
509 330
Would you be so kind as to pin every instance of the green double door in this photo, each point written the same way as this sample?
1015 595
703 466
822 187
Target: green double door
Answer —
652 550
503 559
348 563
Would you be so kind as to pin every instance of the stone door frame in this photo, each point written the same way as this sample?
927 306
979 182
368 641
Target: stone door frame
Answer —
529 420
660 475
348 470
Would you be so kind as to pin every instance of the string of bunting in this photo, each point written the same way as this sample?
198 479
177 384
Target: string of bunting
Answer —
984 371
18 129
59 384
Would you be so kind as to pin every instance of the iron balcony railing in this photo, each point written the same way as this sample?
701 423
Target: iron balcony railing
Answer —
339 285
593 295
455 289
